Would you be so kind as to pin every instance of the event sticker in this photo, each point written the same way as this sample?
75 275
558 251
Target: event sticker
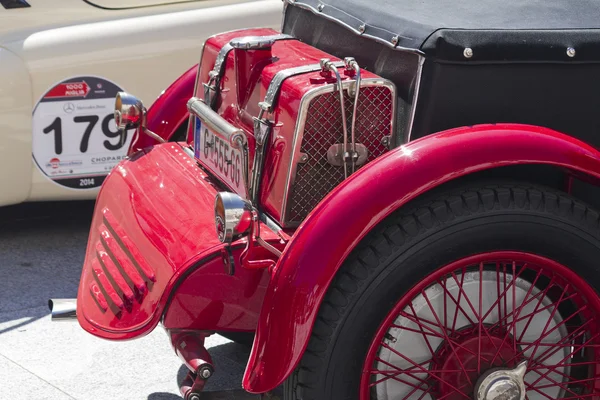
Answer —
75 140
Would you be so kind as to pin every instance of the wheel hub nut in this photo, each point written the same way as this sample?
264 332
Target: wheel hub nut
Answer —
503 384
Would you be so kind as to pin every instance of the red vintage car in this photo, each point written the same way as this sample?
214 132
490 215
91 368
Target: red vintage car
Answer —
398 197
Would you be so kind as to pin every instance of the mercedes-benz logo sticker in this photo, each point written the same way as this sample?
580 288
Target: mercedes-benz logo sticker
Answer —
69 107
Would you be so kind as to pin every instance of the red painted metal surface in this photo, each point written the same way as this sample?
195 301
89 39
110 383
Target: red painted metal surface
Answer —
168 111
341 220
206 300
286 54
154 224
497 336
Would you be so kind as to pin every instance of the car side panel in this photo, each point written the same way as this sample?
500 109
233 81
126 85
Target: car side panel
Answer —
142 55
15 129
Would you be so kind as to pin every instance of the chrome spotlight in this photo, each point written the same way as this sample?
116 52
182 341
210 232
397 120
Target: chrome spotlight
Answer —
233 216
130 113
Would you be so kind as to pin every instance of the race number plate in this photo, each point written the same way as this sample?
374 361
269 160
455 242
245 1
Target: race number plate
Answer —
215 153
75 140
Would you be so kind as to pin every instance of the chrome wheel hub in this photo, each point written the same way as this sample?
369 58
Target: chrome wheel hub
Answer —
502 384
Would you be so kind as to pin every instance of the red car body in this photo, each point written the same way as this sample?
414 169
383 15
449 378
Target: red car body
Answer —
153 254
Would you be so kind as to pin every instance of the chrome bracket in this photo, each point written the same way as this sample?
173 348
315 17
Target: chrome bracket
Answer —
274 89
262 134
211 88
352 155
228 260
214 77
336 155
258 42
263 127
328 67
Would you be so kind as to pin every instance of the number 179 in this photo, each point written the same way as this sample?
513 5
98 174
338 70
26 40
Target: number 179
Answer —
91 120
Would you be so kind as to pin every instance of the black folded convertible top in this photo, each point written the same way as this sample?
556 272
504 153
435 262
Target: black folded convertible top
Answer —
493 29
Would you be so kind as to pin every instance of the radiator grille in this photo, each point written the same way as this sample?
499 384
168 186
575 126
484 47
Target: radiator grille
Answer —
323 128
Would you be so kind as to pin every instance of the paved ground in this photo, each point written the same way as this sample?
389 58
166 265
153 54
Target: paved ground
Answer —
41 252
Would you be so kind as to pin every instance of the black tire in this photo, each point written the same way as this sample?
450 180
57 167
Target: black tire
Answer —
243 338
427 234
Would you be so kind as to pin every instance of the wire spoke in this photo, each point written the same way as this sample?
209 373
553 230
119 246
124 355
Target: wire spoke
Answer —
552 323
568 355
550 352
426 371
403 371
424 336
477 316
424 294
416 320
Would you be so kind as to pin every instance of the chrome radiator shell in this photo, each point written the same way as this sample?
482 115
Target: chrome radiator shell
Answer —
319 126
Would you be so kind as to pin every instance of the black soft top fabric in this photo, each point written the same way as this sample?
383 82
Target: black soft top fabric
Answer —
440 27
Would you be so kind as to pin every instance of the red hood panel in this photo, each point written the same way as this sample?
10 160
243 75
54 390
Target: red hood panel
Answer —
143 236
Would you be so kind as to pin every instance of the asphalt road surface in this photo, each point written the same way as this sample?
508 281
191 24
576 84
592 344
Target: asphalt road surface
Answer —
42 246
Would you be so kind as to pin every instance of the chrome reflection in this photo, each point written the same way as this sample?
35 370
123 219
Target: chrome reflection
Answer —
130 113
233 216
63 309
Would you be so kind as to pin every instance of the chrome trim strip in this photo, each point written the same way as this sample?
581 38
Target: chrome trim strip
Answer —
332 68
275 86
262 135
352 64
413 108
299 130
268 246
211 88
220 61
216 74
258 42
235 136
270 223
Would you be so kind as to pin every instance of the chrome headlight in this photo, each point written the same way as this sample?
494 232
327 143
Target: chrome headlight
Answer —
233 216
129 111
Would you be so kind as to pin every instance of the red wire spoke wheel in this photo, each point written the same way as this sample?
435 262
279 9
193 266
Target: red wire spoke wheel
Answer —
488 313
477 290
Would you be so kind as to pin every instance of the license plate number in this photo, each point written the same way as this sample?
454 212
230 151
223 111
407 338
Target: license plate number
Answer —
215 153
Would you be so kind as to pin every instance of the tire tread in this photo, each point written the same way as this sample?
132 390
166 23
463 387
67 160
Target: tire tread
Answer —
402 229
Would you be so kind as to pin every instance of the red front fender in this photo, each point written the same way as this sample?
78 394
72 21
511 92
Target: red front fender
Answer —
320 245
168 111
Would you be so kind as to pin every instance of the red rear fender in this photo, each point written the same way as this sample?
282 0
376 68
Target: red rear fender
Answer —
154 224
326 237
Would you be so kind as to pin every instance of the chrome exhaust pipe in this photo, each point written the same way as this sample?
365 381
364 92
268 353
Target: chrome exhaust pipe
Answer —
63 309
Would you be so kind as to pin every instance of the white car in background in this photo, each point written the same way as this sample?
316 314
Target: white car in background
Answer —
63 61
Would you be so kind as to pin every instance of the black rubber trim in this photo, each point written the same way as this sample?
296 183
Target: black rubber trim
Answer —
9 4
133 8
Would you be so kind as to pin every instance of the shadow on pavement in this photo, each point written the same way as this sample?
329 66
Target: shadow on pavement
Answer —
36 214
164 396
219 385
42 246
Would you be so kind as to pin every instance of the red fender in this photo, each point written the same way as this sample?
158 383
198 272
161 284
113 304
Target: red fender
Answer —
324 240
168 111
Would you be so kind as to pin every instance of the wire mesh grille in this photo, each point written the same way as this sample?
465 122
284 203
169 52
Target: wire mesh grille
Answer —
323 128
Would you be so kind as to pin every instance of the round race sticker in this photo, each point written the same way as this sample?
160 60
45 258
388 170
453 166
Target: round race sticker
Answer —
75 140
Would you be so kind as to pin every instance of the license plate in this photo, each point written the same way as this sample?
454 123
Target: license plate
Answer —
215 153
